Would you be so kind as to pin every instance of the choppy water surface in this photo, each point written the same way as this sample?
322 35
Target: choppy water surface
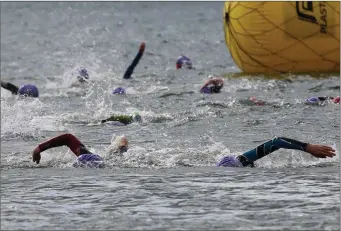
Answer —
167 180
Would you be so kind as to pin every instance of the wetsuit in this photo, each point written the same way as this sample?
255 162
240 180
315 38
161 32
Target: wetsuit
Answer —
84 156
318 100
211 89
136 60
248 158
8 86
213 85
123 119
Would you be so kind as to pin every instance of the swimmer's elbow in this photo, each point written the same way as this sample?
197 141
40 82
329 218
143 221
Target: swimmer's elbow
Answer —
69 135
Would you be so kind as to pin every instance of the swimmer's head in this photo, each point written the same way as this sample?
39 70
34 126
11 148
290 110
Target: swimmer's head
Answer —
183 62
216 84
252 98
83 75
137 117
313 100
119 145
256 101
336 99
122 144
119 91
229 161
216 88
28 90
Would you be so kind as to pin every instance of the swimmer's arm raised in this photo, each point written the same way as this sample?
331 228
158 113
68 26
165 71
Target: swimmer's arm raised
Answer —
136 60
8 86
66 139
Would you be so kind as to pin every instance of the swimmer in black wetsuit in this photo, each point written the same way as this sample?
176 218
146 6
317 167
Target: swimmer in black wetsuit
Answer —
11 87
121 120
136 60
213 85
321 99
248 158
28 90
85 158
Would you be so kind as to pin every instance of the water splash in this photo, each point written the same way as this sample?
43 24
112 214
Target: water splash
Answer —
25 116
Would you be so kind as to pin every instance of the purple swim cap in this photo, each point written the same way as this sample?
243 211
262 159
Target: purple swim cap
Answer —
28 90
183 61
312 100
119 91
89 160
83 75
206 90
229 161
83 72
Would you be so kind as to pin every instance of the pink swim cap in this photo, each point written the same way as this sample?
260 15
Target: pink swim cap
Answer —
336 99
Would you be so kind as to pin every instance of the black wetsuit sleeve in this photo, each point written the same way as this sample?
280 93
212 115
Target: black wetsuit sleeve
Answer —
323 98
8 86
270 146
132 66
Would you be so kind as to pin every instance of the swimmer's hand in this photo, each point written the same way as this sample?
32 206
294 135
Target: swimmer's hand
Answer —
320 151
142 46
36 155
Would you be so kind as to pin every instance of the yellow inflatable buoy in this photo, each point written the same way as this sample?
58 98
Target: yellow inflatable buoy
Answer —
301 36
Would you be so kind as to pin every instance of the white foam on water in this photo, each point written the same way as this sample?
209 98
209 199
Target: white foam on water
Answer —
26 116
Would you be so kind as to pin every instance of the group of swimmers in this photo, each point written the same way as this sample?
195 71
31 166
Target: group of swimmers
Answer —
211 86
86 158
